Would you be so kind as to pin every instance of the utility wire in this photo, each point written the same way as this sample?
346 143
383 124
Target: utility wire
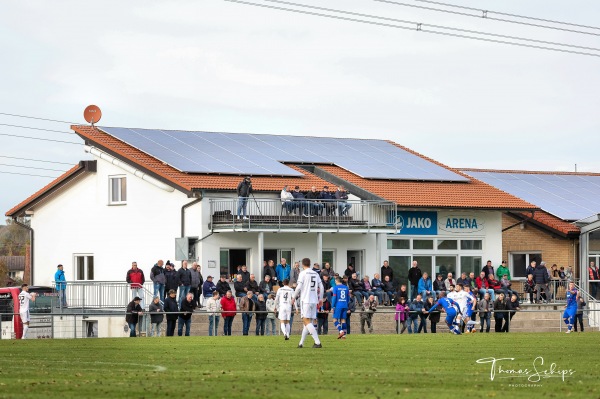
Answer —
421 25
35 117
26 174
485 16
418 28
38 138
35 160
36 128
509 15
30 167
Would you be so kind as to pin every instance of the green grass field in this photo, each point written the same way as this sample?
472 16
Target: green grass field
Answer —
369 366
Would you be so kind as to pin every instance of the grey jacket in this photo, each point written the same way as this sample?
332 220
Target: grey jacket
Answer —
483 305
197 279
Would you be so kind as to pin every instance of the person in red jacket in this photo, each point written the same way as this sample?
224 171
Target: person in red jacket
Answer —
494 284
228 307
483 286
135 277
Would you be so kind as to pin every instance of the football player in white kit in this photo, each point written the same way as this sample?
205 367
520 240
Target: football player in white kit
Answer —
283 305
310 291
24 298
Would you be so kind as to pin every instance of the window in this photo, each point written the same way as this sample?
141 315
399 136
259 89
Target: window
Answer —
117 190
520 261
84 267
422 244
400 265
398 244
471 244
445 265
470 264
224 261
447 244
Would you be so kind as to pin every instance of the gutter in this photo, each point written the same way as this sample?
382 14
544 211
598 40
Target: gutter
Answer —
183 208
31 244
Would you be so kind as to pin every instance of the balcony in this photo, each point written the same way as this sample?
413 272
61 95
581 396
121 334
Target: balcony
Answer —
303 216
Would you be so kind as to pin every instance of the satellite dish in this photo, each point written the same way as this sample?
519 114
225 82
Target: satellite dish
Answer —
92 114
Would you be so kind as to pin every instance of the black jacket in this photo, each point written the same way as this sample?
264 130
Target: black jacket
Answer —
223 287
355 285
252 286
171 280
414 275
387 271
500 305
269 271
171 306
245 276
387 286
434 315
132 309
439 285
184 276
261 306
540 274
244 188
187 308
239 286
156 307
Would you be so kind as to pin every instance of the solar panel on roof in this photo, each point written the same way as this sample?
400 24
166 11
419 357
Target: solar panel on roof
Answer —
255 154
570 197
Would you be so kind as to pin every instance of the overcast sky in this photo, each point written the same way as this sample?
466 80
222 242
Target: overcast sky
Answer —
219 66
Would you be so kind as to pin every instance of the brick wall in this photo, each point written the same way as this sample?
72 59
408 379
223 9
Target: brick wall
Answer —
554 249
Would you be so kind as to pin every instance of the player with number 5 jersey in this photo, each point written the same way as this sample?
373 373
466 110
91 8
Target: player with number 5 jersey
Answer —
283 305
310 291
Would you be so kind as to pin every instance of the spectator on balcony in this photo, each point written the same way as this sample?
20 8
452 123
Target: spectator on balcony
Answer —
389 296
328 199
265 287
269 270
377 289
439 284
463 279
271 305
414 275
300 201
314 204
261 315
433 313
252 285
369 307
185 315
425 287
61 285
327 270
223 286
386 270
244 189
134 310
323 317
247 306
213 308
502 270
341 197
135 278
287 200
540 276
483 286
485 307
357 288
184 276
157 275
283 271
196 287
449 281
349 270
228 307
402 310
156 317
488 268
239 287
245 274
294 273
171 309
208 288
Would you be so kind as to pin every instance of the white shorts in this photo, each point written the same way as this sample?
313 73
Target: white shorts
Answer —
285 313
25 317
463 311
309 311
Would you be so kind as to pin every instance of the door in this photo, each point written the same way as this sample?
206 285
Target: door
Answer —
356 259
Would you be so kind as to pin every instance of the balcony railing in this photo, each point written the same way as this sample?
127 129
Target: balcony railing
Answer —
273 214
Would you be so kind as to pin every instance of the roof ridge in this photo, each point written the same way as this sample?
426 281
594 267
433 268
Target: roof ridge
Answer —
530 172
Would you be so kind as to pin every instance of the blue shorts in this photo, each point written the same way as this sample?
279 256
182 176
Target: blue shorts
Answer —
340 313
569 313
468 312
450 315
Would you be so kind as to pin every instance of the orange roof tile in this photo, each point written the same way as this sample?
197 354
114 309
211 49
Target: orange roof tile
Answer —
53 184
191 181
553 222
472 195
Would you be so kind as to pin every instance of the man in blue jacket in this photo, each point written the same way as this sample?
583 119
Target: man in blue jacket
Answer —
283 271
61 285
424 287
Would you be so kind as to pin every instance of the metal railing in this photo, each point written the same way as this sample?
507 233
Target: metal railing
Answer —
104 294
279 215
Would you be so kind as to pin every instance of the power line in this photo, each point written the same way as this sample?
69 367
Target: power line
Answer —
26 174
508 14
30 167
36 128
38 138
421 25
35 117
418 28
485 16
35 160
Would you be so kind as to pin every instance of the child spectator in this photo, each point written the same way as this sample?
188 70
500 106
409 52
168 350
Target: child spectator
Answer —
529 287
323 317
401 315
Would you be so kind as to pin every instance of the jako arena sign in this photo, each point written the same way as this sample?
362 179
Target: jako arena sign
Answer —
417 223
461 224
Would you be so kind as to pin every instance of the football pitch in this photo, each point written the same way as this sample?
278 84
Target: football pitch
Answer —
369 366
